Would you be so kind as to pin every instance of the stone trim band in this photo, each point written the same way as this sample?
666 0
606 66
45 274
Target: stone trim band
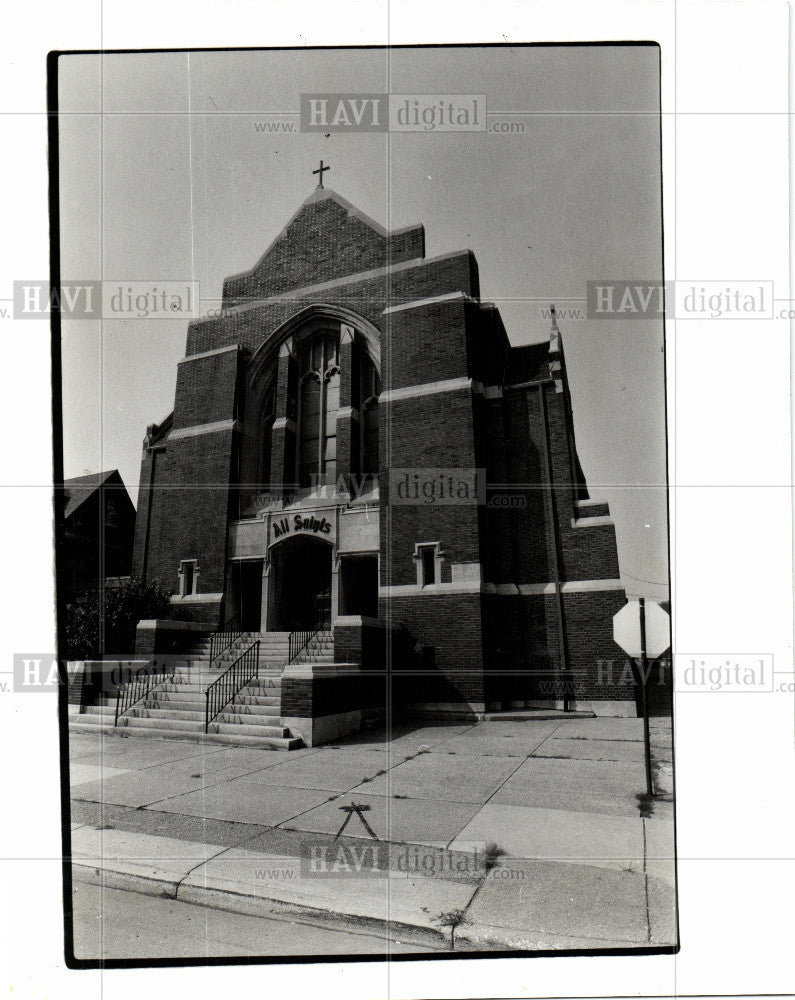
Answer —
198 429
500 589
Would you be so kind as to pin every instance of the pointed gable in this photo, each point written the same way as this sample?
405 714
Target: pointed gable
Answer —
327 238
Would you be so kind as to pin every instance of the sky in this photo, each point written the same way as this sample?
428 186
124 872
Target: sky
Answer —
164 177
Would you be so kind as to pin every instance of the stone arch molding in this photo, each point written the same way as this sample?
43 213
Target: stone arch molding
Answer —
262 369
265 356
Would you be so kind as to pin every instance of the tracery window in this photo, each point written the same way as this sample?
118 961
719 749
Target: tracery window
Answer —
318 403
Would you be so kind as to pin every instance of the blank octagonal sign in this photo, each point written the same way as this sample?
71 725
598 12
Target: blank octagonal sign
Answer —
626 629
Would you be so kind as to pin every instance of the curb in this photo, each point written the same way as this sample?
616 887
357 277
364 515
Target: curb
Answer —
261 906
468 937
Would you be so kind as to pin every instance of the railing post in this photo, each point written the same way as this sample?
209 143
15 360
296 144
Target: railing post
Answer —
83 686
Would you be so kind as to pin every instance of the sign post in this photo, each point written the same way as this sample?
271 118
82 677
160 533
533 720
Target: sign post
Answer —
643 630
644 676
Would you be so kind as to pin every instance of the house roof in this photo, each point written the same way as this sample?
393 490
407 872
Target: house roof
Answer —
80 488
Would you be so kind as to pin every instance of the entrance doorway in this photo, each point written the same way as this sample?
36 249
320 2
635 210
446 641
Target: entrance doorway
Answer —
359 585
247 593
300 585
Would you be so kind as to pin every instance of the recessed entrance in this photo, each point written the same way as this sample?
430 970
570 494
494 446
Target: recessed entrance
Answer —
359 585
247 593
300 585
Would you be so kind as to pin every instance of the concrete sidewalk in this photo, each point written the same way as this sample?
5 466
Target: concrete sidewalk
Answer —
576 857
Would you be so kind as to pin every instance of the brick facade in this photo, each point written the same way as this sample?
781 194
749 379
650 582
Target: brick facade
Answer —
525 580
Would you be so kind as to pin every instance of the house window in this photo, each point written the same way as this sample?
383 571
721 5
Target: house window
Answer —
428 557
188 573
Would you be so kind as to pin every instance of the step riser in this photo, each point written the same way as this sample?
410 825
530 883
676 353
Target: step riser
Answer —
257 712
196 705
224 728
276 658
132 722
220 726
254 720
191 703
192 690
261 743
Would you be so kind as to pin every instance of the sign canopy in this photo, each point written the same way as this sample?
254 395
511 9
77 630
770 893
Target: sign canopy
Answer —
626 629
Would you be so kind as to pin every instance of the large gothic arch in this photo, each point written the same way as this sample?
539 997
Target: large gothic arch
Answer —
274 440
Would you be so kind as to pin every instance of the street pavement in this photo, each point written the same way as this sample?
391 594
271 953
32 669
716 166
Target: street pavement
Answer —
153 927
531 834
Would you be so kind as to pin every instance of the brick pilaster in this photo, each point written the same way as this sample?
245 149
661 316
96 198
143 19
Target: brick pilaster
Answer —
282 471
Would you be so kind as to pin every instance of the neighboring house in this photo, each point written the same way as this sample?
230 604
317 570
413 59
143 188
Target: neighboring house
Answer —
98 531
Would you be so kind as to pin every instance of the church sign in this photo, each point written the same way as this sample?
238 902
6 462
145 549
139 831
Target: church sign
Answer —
300 524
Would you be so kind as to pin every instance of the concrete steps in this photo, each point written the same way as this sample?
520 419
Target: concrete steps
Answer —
77 725
320 649
175 709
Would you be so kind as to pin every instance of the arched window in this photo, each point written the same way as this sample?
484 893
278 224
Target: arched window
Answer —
318 402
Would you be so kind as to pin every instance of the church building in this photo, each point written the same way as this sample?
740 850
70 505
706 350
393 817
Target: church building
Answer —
357 451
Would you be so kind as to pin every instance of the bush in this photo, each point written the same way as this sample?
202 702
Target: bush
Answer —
123 608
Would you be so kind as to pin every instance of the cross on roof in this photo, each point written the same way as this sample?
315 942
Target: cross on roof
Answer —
321 170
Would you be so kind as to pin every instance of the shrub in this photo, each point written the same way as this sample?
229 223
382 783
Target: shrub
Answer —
123 607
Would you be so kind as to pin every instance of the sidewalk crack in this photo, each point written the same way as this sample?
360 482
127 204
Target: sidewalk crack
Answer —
230 847
646 883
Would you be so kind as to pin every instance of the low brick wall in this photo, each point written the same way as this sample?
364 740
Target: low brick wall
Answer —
161 635
94 678
321 701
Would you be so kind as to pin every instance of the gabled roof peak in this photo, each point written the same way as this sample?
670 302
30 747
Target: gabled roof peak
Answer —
327 194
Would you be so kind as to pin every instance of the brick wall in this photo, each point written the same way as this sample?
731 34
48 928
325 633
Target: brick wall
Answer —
206 389
251 325
324 241
451 625
313 698
436 341
186 509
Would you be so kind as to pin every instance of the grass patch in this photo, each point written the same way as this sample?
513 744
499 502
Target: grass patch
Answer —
645 804
491 856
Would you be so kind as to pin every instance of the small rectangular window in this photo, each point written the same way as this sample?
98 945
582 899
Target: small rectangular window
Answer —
428 557
187 572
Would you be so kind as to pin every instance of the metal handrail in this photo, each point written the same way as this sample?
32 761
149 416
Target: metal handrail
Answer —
299 641
221 641
224 688
143 682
